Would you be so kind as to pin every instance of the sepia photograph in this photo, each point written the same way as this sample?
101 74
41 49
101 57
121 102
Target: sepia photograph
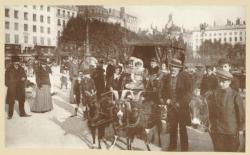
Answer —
168 78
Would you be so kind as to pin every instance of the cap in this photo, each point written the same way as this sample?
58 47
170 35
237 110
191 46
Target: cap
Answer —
224 61
224 74
176 63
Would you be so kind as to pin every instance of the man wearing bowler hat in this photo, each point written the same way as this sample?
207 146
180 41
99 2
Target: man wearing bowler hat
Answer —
175 91
15 78
226 114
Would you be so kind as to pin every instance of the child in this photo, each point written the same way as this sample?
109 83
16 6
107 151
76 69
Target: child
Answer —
77 93
64 79
226 114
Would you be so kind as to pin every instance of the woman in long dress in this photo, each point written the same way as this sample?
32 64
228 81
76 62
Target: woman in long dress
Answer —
43 99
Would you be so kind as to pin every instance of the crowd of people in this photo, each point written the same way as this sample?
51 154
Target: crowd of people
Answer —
170 84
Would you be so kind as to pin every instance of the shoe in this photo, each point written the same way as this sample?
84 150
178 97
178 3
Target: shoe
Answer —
9 117
25 115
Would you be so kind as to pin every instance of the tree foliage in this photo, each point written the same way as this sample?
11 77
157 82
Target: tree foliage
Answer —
105 39
216 50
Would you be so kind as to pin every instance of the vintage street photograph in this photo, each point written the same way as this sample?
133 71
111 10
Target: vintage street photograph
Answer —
138 77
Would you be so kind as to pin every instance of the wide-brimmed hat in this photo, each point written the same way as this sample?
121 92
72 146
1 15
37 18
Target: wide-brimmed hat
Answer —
224 74
15 59
176 63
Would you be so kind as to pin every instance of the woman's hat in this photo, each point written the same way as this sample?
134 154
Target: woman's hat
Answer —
176 63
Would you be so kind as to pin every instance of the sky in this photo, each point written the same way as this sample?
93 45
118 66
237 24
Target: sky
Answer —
186 16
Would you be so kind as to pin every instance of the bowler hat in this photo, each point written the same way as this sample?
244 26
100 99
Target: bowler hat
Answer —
15 59
43 61
224 74
176 63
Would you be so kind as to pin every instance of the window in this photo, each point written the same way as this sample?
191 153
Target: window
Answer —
16 14
214 34
34 17
34 7
58 11
49 41
58 33
235 33
7 25
48 19
210 34
235 39
48 9
240 33
7 13
225 34
25 27
26 39
41 7
16 26
16 39
240 38
25 6
7 38
48 30
63 23
25 16
73 14
225 39
41 18
230 39
63 13
34 40
68 14
230 33
41 29
59 22
42 41
34 28
219 34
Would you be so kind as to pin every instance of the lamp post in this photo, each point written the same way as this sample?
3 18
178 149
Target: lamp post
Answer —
87 51
203 29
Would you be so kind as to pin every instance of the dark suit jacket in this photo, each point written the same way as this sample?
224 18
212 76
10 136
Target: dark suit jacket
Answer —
183 93
15 84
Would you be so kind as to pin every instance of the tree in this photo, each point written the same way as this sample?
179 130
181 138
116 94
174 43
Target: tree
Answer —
105 39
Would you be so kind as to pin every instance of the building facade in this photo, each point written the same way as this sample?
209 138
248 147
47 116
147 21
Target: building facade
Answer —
62 16
29 26
98 12
229 33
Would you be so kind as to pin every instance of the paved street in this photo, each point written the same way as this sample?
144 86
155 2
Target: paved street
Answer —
56 129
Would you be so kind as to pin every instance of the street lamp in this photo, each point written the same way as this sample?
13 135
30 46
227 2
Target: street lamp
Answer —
203 29
87 54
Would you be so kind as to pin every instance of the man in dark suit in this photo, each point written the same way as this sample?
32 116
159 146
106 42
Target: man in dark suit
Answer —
176 90
15 78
